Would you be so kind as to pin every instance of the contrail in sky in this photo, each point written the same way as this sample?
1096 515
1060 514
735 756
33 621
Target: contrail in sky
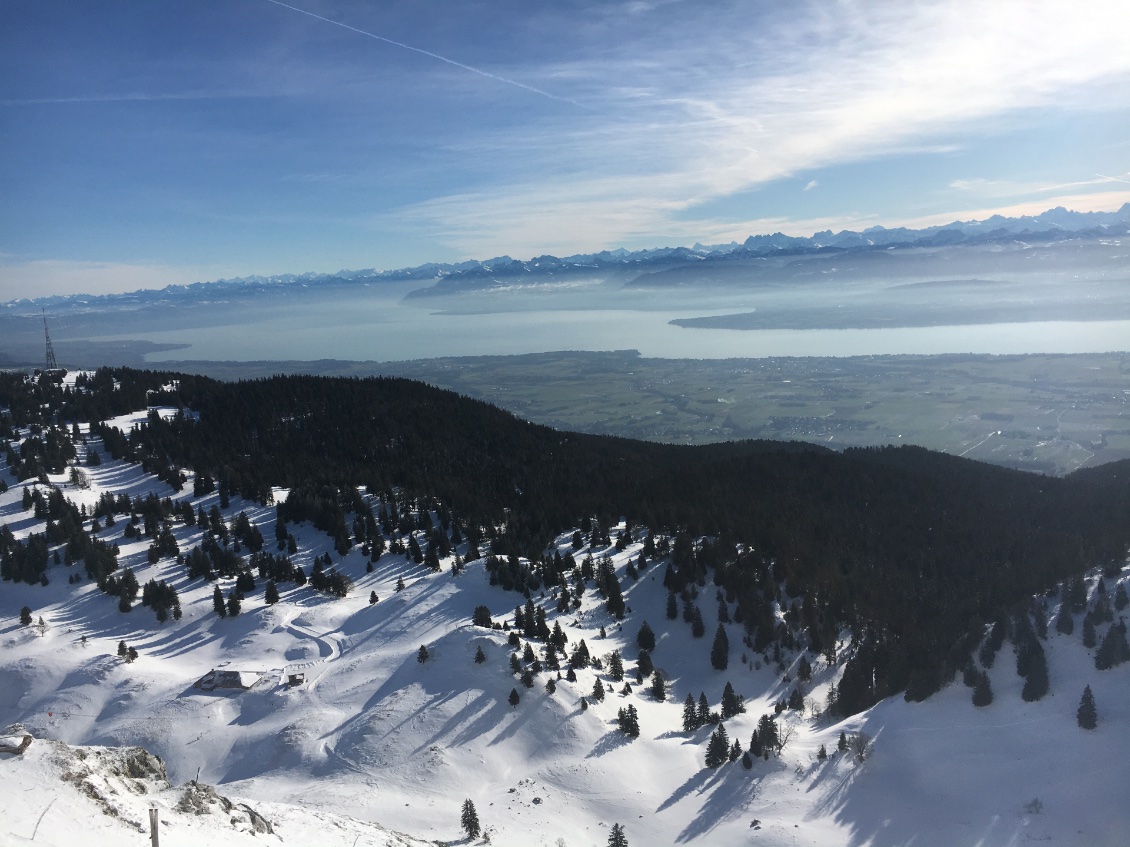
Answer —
488 75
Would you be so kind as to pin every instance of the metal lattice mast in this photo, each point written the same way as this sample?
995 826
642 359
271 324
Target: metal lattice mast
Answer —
52 365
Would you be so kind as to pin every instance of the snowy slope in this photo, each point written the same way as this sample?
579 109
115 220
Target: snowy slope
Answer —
377 737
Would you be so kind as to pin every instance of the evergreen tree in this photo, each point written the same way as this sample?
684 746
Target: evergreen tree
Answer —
598 690
747 762
1088 631
628 721
842 744
732 702
672 606
982 690
690 715
796 699
1036 682
992 644
25 612
1075 593
698 628
470 820
1087 715
718 748
218 602
735 750
646 638
767 733
703 709
422 654
514 697
528 678
1120 598
804 669
822 753
644 663
551 686
658 687
616 837
720 651
1064 621
123 650
480 656
481 617
373 598
615 666
271 593
234 606
1114 650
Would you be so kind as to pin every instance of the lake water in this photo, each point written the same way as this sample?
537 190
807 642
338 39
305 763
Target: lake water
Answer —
389 330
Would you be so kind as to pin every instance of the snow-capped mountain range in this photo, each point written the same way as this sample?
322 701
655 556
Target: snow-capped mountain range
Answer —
1054 224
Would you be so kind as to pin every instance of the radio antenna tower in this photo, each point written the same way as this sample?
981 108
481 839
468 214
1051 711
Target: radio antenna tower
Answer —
52 365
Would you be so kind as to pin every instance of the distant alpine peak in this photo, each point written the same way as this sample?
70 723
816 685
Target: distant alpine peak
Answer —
1053 223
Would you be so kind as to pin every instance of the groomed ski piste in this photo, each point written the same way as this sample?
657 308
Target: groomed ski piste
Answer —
373 743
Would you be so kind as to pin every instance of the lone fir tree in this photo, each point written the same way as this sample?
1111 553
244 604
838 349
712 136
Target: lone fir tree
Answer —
1087 715
470 819
616 837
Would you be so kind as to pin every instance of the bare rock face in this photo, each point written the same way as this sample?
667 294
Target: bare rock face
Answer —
200 799
15 739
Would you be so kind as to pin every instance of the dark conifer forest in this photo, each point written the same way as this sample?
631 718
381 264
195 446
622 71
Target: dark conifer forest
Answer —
913 551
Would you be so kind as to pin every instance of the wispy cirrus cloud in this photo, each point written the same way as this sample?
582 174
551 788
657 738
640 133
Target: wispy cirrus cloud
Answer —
747 107
1010 188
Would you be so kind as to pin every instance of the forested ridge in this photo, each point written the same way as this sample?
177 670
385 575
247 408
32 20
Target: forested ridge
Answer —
913 551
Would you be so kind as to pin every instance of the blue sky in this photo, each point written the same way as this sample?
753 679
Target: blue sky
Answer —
143 143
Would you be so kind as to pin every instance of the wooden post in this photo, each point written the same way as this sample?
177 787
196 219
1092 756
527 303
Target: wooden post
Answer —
153 834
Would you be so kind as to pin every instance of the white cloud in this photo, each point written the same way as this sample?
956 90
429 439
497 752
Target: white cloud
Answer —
830 85
811 185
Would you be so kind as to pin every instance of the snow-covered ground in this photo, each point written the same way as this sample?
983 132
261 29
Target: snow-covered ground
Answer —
374 736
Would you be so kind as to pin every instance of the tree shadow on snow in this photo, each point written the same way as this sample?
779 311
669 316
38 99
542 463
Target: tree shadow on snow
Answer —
728 790
614 739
